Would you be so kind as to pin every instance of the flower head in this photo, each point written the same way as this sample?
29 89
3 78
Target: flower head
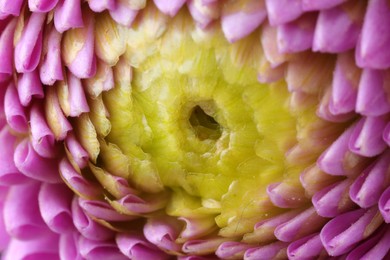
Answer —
199 129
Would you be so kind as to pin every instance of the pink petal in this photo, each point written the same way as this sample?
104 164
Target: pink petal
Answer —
14 111
135 246
284 195
87 226
309 5
79 155
232 250
275 250
384 205
169 7
240 23
28 49
91 249
202 13
9 174
34 166
45 247
101 5
11 7
41 6
342 233
4 236
42 138
203 246
308 247
283 11
21 213
372 49
50 69
122 14
29 87
6 45
68 15
54 204
68 247
77 100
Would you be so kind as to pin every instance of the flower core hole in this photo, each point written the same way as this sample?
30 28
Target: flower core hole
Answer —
204 125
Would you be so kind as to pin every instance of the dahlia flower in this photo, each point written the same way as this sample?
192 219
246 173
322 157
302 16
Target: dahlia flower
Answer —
194 129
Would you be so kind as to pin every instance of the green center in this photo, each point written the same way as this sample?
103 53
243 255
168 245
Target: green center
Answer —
196 120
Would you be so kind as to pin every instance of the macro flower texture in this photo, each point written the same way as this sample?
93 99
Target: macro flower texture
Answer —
194 129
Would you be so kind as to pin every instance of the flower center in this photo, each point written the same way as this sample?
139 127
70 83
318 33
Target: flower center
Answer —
204 125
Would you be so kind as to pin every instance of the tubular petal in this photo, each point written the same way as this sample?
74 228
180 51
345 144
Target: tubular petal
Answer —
54 205
42 138
50 69
135 246
343 232
77 152
284 195
306 248
283 11
371 50
68 15
203 247
91 249
237 24
101 5
6 44
29 47
34 166
4 236
275 250
11 7
309 5
333 200
298 35
368 187
203 13
384 205
14 111
42 6
29 87
88 227
232 250
68 247
123 14
169 7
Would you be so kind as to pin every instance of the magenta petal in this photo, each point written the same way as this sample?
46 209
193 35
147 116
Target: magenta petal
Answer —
21 212
50 69
77 100
42 248
79 155
88 227
386 134
377 247
275 250
41 6
68 247
92 249
372 98
14 111
344 22
204 246
372 50
368 187
11 7
136 205
6 45
84 63
29 87
34 166
333 200
309 247
283 195
75 180
366 139
42 138
309 5
342 233
344 85
4 236
299 226
298 35
102 210
101 5
68 15
169 7
28 49
333 160
9 174
236 25
283 11
135 246
232 250
54 204
384 205
122 14
162 231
